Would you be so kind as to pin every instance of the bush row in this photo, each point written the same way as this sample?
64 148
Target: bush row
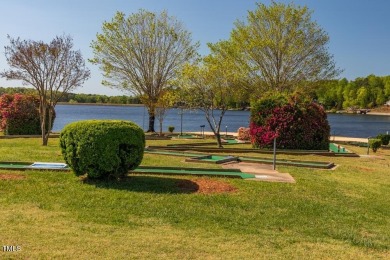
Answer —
385 138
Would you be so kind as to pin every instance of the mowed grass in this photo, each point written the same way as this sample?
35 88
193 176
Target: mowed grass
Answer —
327 214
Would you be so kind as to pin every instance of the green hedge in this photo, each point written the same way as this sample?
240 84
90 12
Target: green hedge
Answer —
102 148
385 138
375 144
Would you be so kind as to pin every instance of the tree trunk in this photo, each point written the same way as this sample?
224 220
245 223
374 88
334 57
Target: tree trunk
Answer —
161 126
49 123
43 111
151 123
152 116
215 127
219 141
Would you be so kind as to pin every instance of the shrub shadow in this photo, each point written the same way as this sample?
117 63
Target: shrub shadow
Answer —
148 184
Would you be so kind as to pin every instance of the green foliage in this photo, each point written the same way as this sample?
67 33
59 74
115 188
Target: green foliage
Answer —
262 108
282 48
102 148
208 85
385 138
171 128
78 97
375 144
368 92
162 42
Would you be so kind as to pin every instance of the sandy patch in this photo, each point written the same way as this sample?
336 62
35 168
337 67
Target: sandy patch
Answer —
263 172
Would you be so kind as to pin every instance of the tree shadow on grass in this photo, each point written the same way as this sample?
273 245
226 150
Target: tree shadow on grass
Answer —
148 184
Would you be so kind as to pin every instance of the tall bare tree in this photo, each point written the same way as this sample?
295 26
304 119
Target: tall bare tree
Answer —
142 53
53 69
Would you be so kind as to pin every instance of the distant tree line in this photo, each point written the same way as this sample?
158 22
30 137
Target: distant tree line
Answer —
78 98
368 92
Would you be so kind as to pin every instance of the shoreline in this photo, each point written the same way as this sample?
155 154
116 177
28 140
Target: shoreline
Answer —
331 138
368 113
99 104
378 113
374 113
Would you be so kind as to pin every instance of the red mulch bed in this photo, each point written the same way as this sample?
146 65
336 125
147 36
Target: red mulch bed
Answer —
11 176
205 186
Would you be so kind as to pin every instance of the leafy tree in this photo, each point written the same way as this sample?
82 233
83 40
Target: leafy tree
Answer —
17 90
208 85
282 48
387 86
340 97
350 95
327 93
142 53
362 98
167 99
51 68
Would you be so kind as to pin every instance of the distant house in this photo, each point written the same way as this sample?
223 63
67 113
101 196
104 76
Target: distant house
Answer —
387 103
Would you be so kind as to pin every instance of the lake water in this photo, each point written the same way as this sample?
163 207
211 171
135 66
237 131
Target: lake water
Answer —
341 124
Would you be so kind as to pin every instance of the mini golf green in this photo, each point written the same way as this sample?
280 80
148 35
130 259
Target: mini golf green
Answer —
35 165
213 159
298 163
337 148
22 166
232 141
249 150
234 173
188 136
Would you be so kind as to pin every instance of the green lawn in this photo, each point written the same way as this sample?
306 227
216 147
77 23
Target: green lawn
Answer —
327 214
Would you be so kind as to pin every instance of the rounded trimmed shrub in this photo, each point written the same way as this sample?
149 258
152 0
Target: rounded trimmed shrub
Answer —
102 148
385 138
171 129
375 144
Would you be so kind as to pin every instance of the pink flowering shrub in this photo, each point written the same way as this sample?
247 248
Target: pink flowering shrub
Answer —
243 134
296 126
19 115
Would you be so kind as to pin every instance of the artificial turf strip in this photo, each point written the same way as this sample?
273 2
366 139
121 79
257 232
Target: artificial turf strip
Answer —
322 165
147 169
310 164
194 171
173 153
334 148
240 150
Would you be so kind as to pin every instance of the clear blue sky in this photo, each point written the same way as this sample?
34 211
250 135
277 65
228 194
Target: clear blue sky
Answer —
358 29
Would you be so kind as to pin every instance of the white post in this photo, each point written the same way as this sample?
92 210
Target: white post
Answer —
274 161
181 122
